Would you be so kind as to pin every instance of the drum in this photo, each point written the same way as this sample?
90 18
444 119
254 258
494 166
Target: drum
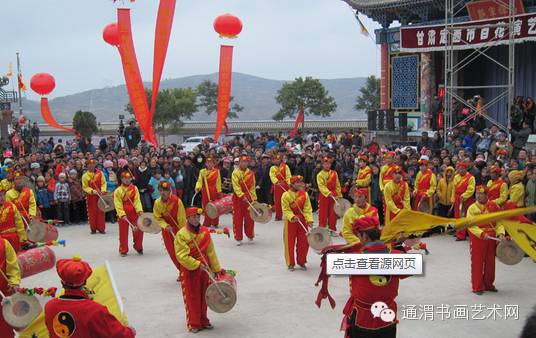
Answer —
341 206
37 260
318 238
260 212
221 294
106 203
509 253
424 205
147 223
41 232
20 310
219 207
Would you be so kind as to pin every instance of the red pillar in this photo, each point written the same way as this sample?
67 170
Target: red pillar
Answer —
384 77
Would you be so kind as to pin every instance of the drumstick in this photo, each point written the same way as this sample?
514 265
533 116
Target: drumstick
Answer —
208 271
132 226
303 226
336 202
102 199
254 209
493 238
193 198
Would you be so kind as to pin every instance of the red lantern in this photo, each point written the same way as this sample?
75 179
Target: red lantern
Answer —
110 34
22 120
42 83
228 26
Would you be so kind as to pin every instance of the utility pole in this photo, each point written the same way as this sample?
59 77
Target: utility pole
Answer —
18 84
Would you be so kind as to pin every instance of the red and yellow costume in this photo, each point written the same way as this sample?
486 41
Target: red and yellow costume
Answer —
464 189
363 180
351 215
497 189
396 198
296 204
280 177
193 246
24 200
171 216
12 226
516 193
425 187
387 171
483 250
243 187
94 181
330 189
6 184
10 276
73 314
128 205
209 183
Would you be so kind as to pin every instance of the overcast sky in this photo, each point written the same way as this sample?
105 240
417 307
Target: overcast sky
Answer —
281 39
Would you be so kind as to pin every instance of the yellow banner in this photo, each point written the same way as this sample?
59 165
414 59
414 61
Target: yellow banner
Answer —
523 234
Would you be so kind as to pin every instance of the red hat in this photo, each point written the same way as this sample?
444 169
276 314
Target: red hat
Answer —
278 157
295 179
92 161
424 162
244 158
361 191
363 158
193 211
164 185
481 189
390 154
210 159
73 272
503 152
495 169
365 223
461 164
18 174
126 174
398 169
326 159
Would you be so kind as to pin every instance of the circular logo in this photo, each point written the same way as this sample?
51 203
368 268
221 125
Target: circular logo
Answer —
64 325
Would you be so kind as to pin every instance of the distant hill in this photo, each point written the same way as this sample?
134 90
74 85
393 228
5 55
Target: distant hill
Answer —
256 94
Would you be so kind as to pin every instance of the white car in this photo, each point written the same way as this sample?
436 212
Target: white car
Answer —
192 142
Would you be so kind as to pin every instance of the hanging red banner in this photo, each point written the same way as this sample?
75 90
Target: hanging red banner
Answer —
164 22
224 88
133 80
47 116
299 120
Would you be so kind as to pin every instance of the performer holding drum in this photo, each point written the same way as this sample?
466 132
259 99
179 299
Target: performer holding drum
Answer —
9 279
74 314
364 175
497 187
243 197
483 243
128 206
23 198
209 184
11 224
170 214
361 208
330 190
280 176
94 185
7 183
298 215
464 189
425 187
396 194
197 257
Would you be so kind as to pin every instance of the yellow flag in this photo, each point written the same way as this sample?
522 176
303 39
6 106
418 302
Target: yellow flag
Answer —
9 70
523 234
362 27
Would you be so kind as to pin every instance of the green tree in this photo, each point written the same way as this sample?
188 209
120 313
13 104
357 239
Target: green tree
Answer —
208 98
85 123
308 94
173 106
370 95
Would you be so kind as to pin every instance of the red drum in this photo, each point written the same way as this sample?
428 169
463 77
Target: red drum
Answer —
42 232
36 260
219 207
221 293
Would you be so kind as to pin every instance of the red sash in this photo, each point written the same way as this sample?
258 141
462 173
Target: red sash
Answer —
363 173
202 244
388 174
128 199
7 218
424 183
398 199
495 189
299 203
23 202
282 175
331 182
247 182
96 182
461 187
172 209
211 181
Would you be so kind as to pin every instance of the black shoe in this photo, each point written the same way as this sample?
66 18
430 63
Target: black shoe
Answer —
140 252
479 293
303 267
492 289
194 330
102 232
124 255
460 239
208 327
93 232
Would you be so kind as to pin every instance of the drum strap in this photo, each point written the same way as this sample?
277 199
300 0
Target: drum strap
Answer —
206 185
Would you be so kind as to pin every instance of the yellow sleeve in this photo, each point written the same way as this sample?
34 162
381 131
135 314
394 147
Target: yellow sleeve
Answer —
308 209
218 182
517 194
338 189
273 174
388 194
347 233
182 215
440 189
499 229
286 199
454 183
470 189
213 258
364 182
103 183
253 189
137 201
417 180
12 265
85 184
19 225
473 211
32 210
182 252
321 183
288 174
199 183
118 201
158 212
503 196
407 198
236 184
433 186
382 172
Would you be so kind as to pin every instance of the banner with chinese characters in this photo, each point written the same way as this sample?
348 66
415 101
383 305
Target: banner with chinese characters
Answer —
467 35
489 9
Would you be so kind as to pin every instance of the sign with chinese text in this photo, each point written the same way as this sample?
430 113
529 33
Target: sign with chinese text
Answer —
490 9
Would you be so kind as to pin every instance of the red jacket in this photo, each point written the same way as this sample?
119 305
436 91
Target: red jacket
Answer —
74 315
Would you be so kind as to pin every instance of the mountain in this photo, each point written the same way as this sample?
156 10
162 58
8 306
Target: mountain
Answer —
256 94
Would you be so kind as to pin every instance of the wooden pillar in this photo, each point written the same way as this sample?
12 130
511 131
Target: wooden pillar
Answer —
384 76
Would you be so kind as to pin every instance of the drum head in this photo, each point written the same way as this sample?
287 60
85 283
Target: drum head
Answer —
341 207
106 203
21 310
319 238
509 253
211 210
262 212
36 231
424 205
216 301
147 223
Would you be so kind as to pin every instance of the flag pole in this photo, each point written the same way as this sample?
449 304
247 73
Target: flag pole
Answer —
18 84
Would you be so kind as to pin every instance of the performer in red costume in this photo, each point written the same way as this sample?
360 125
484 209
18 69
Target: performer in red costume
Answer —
464 189
209 183
244 188
280 176
23 198
94 184
195 252
128 207
330 190
73 314
425 187
11 224
9 278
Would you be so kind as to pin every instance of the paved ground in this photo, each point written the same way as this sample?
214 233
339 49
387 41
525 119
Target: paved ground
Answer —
273 302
